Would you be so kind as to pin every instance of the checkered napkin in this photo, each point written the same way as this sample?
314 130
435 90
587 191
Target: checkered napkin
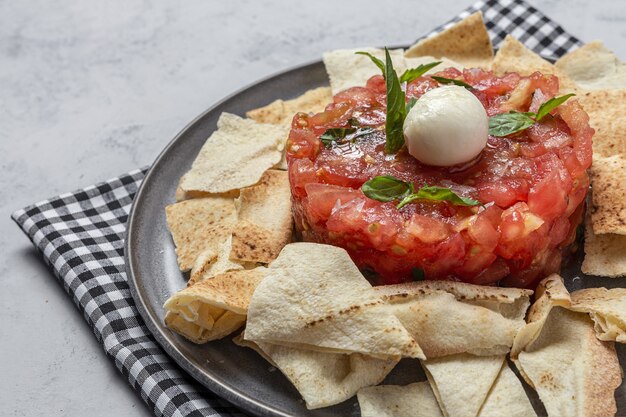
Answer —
81 237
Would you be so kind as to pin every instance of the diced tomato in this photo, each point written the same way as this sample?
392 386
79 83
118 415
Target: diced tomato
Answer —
532 185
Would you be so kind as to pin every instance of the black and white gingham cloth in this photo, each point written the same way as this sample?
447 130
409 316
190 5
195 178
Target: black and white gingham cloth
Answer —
81 237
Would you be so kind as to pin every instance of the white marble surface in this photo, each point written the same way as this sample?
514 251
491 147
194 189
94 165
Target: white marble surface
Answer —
89 90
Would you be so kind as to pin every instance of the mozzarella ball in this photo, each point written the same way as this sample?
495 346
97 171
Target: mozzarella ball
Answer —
447 126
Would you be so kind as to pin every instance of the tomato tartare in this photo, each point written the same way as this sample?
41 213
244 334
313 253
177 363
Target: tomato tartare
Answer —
531 185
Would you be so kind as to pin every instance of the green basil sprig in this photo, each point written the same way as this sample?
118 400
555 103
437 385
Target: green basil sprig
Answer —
413 74
444 80
408 75
388 188
512 122
340 135
397 108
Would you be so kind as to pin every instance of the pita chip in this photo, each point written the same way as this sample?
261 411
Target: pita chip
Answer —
213 262
607 309
413 400
574 373
608 208
507 397
559 355
324 379
605 255
466 42
513 56
246 150
347 69
606 110
282 111
550 292
213 308
264 221
314 297
593 67
198 225
447 318
462 382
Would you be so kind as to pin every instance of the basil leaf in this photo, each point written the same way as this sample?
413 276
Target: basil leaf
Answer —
508 123
375 60
410 104
550 105
396 108
332 135
414 73
444 80
434 193
386 188
417 274
340 135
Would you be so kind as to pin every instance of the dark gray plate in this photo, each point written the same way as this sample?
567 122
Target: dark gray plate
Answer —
238 374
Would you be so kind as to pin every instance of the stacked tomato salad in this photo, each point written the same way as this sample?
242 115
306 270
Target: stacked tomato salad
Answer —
529 186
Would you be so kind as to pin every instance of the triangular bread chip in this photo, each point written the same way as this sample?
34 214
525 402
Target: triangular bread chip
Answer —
323 379
607 309
608 208
199 224
315 297
213 262
550 292
213 308
507 397
413 400
466 42
461 382
447 318
606 109
347 69
235 155
593 67
264 221
282 111
574 373
605 255
513 56
559 355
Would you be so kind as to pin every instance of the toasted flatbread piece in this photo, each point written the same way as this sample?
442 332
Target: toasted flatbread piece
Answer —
605 255
314 297
574 373
199 224
264 221
462 382
213 262
606 110
413 400
323 379
608 208
346 69
282 111
466 42
550 293
513 56
235 155
507 397
447 318
607 309
558 354
213 308
593 67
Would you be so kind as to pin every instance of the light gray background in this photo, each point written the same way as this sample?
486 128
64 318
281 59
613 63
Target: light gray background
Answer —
90 90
